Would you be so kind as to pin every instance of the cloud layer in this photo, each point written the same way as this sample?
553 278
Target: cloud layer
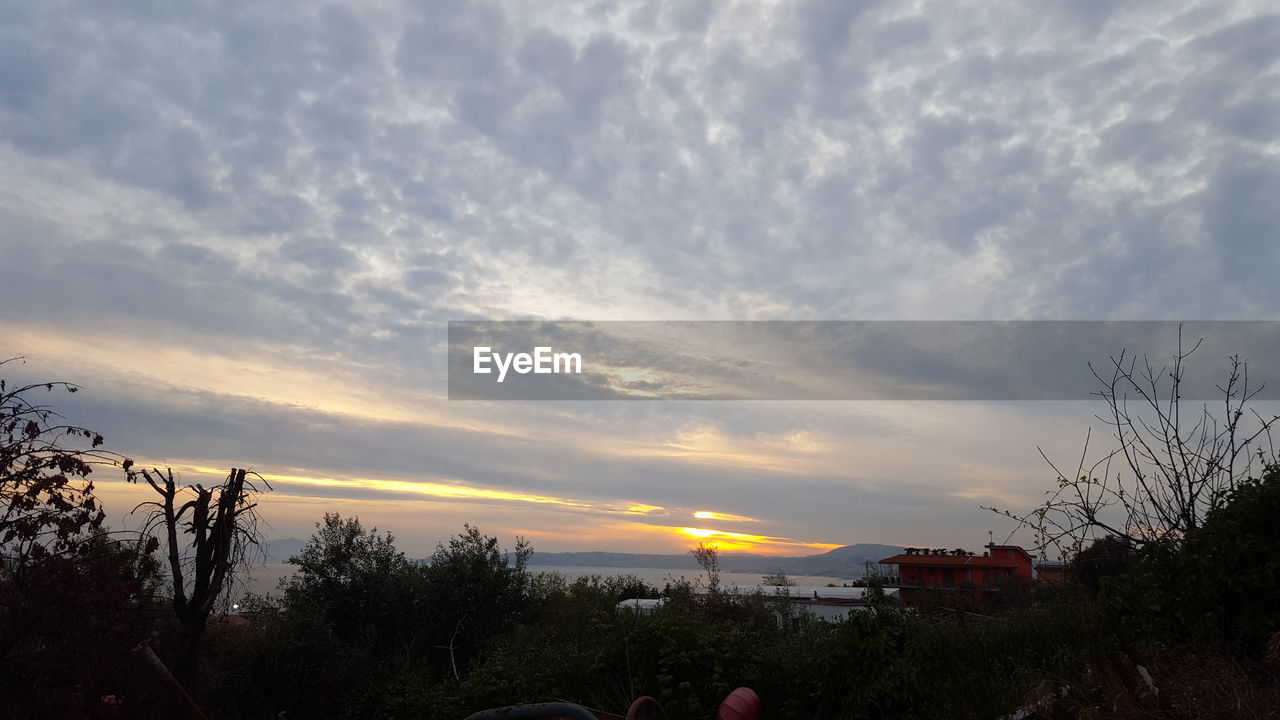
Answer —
244 226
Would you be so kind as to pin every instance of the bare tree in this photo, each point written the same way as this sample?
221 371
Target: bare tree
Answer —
1171 465
777 579
708 558
220 526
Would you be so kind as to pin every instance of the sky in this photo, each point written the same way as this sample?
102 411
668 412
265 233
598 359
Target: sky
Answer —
243 227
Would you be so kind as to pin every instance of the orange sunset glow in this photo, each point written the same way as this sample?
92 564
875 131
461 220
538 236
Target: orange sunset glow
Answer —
294 498
726 540
728 517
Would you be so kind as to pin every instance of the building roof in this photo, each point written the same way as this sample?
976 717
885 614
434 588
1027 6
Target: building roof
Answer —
795 592
948 561
1019 548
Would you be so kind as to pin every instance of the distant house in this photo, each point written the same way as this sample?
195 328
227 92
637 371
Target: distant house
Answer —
813 601
644 606
1052 572
925 569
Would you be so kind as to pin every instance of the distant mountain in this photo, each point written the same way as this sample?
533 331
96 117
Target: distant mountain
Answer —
849 561
281 550
614 560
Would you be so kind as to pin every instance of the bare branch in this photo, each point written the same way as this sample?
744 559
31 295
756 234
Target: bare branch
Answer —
1177 467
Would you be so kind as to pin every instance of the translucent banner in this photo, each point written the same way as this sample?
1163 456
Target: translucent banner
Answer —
847 360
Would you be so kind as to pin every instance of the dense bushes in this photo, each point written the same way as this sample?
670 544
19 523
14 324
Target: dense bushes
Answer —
362 632
68 625
888 663
1220 586
359 628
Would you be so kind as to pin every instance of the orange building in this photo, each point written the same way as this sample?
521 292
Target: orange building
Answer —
924 569
1053 573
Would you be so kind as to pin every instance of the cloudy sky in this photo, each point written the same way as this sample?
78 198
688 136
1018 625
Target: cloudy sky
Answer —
242 227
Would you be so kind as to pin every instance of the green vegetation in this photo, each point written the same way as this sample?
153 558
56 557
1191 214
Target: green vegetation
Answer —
1219 588
361 631
69 623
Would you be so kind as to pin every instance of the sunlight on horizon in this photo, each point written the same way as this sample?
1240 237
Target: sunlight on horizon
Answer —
746 542
593 522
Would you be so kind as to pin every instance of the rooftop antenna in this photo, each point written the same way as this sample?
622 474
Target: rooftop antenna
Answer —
991 539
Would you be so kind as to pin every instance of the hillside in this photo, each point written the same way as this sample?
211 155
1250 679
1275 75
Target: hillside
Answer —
845 562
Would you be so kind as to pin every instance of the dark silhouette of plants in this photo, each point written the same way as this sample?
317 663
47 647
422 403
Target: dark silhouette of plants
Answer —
209 534
1172 465
47 505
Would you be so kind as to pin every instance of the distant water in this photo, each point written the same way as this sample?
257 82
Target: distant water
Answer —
264 580
661 576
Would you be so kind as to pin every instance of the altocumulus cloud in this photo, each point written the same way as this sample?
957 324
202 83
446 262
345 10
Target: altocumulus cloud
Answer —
299 195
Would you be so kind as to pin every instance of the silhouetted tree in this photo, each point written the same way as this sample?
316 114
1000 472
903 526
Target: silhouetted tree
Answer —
47 504
777 579
479 590
1172 465
73 600
359 584
220 526
1105 557
70 624
708 558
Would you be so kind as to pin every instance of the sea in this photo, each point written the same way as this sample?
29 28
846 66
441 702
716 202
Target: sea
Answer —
658 577
265 579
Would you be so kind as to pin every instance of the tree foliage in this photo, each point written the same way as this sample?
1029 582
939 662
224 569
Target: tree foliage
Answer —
359 614
777 579
708 558
1230 569
479 590
359 585
69 623
47 505
1220 586
1104 557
